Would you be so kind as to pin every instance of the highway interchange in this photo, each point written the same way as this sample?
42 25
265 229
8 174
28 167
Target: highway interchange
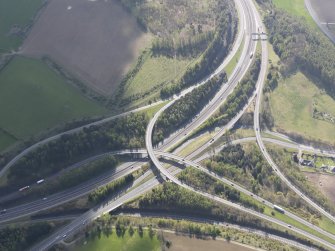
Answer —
250 22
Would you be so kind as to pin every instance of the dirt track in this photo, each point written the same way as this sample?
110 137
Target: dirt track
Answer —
96 41
184 243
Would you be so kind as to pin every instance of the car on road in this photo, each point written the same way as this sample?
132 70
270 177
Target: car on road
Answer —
3 211
64 236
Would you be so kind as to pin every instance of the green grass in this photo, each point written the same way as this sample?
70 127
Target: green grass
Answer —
33 98
156 71
273 57
292 108
195 144
15 12
126 243
151 111
296 8
327 224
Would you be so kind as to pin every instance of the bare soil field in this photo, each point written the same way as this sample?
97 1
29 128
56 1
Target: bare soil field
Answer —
95 40
325 9
185 243
326 184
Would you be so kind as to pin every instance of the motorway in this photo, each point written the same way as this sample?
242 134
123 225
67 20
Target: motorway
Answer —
250 23
77 224
68 194
85 188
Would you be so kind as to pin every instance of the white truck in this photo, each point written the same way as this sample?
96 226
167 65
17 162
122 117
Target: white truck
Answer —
40 181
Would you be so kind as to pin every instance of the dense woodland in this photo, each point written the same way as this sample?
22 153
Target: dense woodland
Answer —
184 109
104 192
122 133
20 238
301 47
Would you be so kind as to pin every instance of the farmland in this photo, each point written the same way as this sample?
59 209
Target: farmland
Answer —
33 98
96 41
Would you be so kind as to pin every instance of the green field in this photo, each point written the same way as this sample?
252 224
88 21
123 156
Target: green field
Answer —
5 140
15 12
292 108
125 243
34 98
156 71
295 7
